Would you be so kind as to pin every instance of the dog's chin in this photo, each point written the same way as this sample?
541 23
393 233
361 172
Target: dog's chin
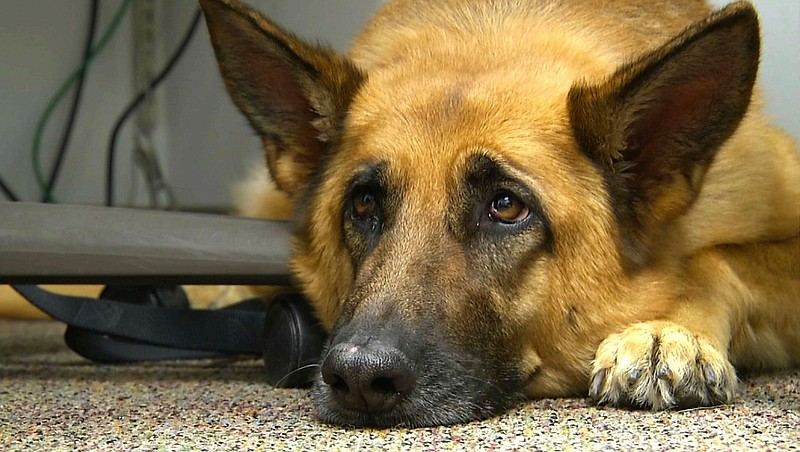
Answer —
445 402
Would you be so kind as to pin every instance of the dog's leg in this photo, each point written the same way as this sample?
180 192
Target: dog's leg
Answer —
214 297
681 359
724 311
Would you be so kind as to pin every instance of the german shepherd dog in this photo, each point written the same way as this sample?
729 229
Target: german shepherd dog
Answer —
506 199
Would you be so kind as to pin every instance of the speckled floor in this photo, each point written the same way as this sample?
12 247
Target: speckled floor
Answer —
51 398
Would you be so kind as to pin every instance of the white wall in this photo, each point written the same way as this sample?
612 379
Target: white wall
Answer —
205 142
780 59
210 143
41 41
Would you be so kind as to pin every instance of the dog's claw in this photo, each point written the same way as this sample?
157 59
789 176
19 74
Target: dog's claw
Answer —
711 376
598 381
663 372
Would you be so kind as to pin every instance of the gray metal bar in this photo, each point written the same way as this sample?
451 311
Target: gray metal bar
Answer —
66 244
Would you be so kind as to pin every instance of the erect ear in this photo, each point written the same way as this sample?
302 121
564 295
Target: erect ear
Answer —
656 124
295 95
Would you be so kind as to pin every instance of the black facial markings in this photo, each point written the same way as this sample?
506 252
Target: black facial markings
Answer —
465 367
447 370
301 213
368 205
487 183
498 254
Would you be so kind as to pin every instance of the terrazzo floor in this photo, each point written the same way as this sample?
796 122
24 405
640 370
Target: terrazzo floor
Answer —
52 399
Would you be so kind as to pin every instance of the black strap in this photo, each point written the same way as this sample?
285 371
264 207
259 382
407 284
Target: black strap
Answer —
149 332
103 348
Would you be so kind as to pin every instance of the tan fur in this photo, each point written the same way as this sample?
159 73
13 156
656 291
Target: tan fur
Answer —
648 301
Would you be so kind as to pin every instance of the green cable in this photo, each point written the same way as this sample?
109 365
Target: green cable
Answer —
62 91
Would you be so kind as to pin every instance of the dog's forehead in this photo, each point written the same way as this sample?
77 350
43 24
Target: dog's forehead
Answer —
427 132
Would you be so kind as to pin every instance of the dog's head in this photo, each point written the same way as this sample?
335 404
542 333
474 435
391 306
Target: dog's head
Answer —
466 237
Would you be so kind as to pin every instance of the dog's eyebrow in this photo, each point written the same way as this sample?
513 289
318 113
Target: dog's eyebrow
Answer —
371 175
487 175
482 170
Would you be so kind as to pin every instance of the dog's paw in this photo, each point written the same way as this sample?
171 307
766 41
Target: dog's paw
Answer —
660 365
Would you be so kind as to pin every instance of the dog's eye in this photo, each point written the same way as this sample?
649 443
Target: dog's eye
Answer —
507 208
365 205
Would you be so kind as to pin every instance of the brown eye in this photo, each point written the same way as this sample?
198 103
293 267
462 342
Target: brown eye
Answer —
365 206
507 208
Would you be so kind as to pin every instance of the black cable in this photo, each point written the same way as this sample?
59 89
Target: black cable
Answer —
7 191
138 100
76 100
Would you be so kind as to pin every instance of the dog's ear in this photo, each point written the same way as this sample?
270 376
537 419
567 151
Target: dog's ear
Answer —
295 95
656 124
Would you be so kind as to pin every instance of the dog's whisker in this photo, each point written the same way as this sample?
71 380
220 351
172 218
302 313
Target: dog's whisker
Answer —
485 382
287 376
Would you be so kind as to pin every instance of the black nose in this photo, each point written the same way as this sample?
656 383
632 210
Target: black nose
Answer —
372 377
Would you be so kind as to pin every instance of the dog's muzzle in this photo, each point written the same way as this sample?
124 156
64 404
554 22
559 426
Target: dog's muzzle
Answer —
368 375
394 374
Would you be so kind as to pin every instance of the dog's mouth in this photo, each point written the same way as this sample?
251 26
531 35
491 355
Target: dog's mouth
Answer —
370 382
